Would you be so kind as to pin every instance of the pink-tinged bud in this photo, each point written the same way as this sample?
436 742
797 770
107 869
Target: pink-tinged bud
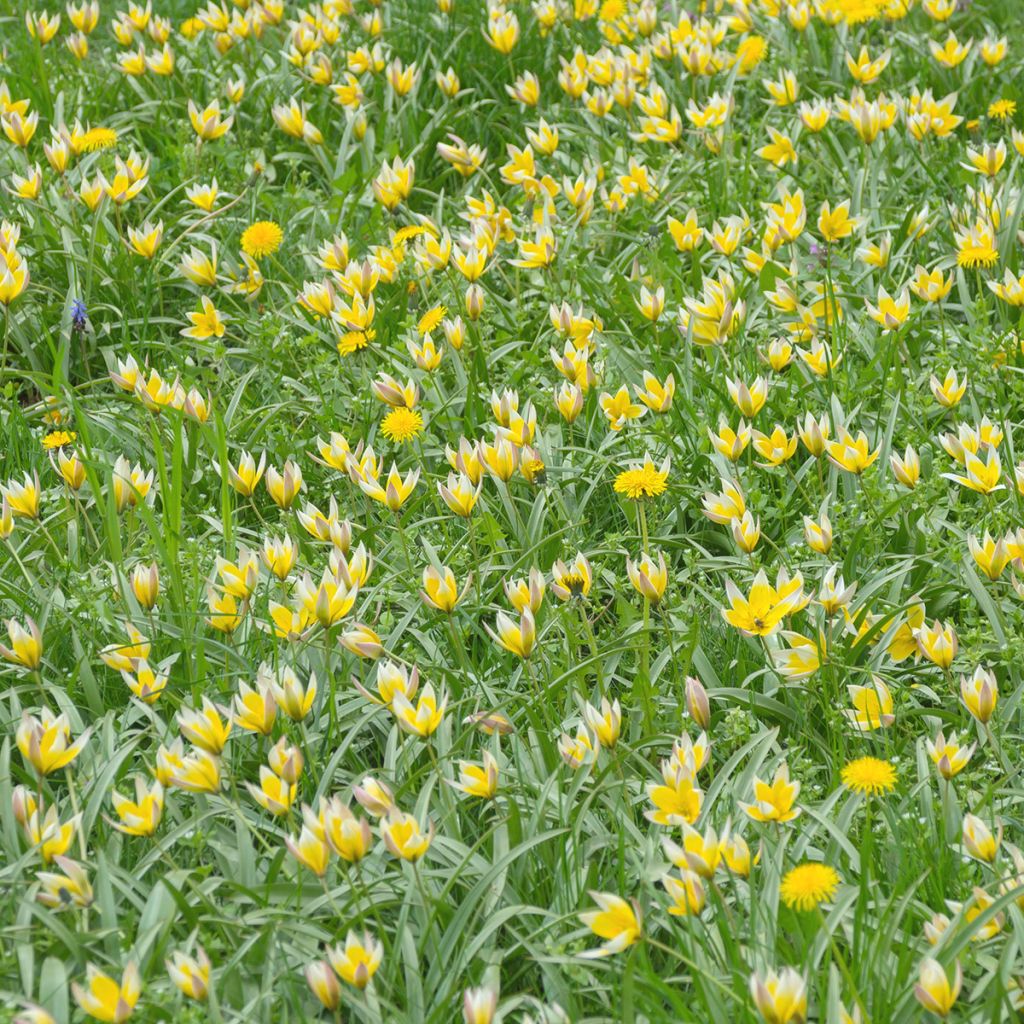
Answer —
479 1004
697 703
323 983
474 302
23 803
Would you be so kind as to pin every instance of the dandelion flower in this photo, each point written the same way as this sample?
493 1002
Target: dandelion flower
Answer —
96 139
401 425
646 481
261 239
1002 109
809 885
59 438
431 319
869 775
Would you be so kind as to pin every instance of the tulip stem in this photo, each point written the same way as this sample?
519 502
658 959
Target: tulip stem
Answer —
405 545
7 339
998 751
592 644
331 685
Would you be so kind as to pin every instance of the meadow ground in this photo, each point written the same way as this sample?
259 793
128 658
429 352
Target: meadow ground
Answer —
511 511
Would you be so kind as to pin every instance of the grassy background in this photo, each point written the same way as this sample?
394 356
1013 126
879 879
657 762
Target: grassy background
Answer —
501 887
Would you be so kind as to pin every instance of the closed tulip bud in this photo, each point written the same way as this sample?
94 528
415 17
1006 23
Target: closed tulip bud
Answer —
145 583
23 496
362 641
749 400
475 300
907 470
255 708
71 469
780 354
348 836
191 975
990 556
606 723
479 1005
23 804
374 797
736 854
938 643
569 401
341 535
454 332
6 519
781 998
936 927
286 761
26 647
648 579
284 487
978 839
697 704
934 991
205 728
980 694
814 433
130 484
197 406
310 851
818 534
279 555
686 892
440 589
526 593
323 983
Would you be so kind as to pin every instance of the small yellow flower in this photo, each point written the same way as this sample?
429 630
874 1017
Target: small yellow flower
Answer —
357 961
106 999
869 775
643 481
402 425
263 238
808 886
775 801
479 780
618 922
45 742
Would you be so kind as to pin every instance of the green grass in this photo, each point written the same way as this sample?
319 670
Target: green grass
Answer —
496 899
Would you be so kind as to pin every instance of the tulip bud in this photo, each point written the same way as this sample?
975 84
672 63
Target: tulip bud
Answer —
479 1004
980 694
145 582
474 301
286 761
323 983
697 704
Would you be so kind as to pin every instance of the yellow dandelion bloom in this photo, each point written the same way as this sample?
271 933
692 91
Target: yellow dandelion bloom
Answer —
96 139
809 885
431 319
401 425
58 438
645 481
869 775
263 238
